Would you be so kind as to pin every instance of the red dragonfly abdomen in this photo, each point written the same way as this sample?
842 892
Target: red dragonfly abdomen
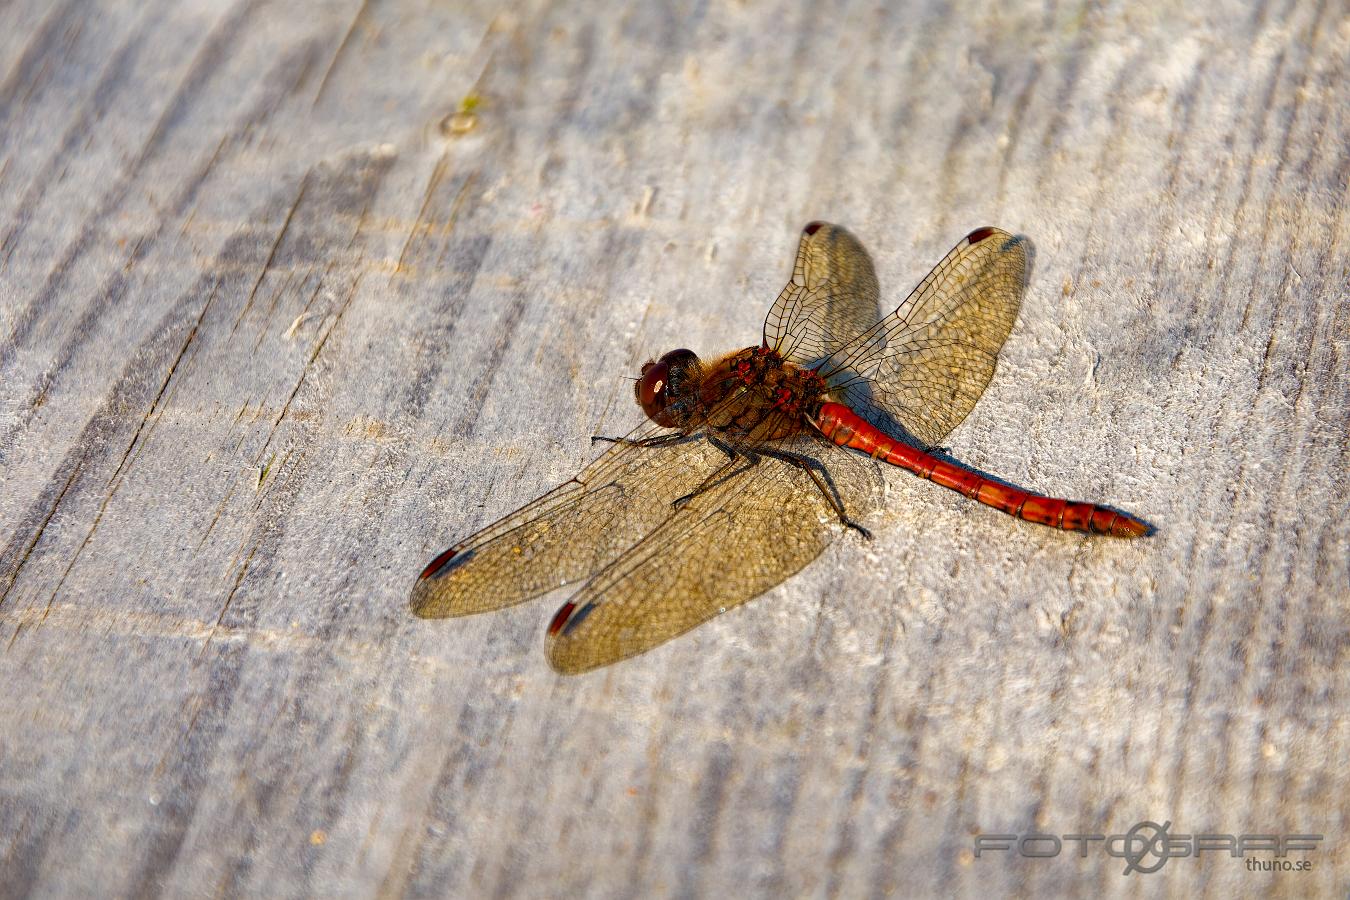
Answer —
845 427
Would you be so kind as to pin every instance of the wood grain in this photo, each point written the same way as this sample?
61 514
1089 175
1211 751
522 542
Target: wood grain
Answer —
294 295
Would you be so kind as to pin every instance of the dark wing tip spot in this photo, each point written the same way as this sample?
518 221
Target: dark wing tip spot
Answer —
560 617
979 234
436 564
813 227
445 563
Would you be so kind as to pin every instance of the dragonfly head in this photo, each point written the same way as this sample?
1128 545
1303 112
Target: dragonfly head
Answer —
668 390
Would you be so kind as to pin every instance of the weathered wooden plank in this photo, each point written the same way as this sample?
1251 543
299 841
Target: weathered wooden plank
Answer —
274 329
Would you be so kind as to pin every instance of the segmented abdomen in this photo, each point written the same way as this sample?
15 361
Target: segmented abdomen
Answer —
845 427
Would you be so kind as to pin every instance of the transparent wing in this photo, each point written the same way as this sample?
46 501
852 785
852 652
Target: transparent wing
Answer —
569 533
831 298
924 366
729 544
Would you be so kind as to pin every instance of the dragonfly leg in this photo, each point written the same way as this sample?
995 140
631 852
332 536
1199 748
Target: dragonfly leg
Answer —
660 440
717 477
809 466
722 445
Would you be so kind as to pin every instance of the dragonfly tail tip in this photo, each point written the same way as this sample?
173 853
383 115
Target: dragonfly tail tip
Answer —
1130 527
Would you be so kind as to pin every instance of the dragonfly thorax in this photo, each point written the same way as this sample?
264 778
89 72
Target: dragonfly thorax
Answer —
752 394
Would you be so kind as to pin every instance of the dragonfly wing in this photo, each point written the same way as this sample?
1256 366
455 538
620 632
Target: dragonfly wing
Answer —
569 533
925 365
727 545
831 298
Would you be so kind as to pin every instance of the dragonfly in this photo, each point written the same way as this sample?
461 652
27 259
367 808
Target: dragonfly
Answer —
747 466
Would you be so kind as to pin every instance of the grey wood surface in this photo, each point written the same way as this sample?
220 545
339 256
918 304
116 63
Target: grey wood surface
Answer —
294 295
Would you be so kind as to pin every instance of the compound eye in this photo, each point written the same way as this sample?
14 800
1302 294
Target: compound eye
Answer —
668 388
651 388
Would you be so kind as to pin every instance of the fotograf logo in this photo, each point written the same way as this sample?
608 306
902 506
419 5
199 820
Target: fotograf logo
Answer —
1147 846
